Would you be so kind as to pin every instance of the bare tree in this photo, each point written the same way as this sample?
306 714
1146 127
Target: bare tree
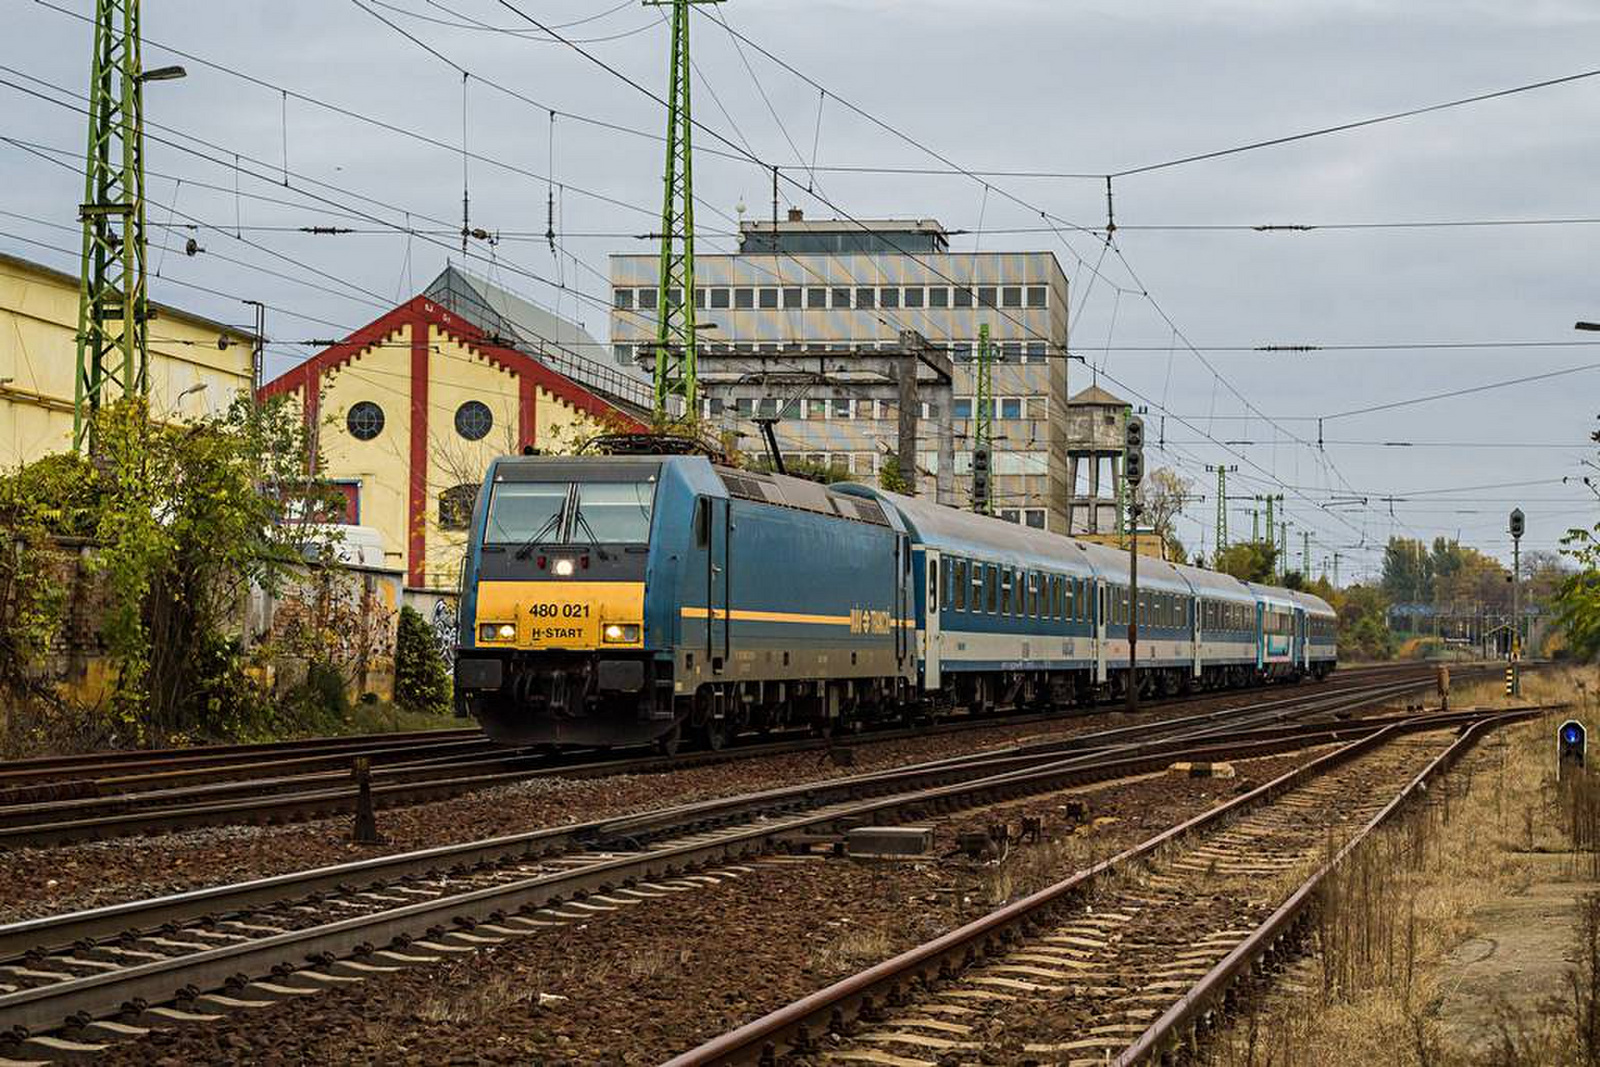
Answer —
1162 494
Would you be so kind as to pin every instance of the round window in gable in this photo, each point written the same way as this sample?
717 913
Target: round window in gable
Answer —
365 420
474 420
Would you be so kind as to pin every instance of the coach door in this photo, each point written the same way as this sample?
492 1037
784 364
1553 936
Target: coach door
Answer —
1098 604
902 610
1195 615
930 621
717 534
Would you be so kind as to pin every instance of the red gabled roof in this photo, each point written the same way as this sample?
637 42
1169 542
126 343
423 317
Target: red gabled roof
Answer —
420 310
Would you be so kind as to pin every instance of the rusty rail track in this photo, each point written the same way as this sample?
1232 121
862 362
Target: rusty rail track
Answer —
797 1027
1182 1024
290 788
229 937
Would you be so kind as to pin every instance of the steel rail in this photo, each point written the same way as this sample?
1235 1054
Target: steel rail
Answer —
99 994
793 1027
117 761
20 937
315 795
1202 998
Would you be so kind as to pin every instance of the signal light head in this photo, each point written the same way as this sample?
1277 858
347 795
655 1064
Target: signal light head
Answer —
563 568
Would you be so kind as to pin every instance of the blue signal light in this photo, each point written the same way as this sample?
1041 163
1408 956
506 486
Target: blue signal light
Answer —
1571 734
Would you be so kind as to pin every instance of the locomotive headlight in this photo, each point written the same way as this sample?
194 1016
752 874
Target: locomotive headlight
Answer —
497 631
620 633
562 568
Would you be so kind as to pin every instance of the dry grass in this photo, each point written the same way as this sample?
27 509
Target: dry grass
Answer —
488 999
1387 922
856 948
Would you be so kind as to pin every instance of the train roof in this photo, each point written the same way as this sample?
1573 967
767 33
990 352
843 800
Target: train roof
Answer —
1313 604
1153 573
1274 595
1216 585
966 533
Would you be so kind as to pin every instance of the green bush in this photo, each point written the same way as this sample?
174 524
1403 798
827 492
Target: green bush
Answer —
421 682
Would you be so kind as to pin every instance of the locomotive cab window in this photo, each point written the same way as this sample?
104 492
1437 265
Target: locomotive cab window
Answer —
702 522
526 512
607 513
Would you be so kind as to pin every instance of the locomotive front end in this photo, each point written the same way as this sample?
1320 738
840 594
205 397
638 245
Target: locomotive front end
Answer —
555 645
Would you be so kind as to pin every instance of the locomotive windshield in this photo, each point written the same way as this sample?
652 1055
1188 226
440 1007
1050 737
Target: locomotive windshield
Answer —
586 513
526 511
612 513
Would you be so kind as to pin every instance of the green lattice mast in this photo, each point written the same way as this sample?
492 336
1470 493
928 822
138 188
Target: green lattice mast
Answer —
112 307
983 424
675 326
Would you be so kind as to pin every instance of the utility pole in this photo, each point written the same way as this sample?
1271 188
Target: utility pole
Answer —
1132 475
1305 554
1336 570
983 423
113 307
1222 501
675 325
1283 549
258 350
1255 525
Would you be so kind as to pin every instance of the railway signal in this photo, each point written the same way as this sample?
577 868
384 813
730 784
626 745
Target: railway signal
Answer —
1132 475
1517 526
1572 739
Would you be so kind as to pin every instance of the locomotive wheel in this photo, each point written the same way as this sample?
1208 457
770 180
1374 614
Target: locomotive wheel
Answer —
713 735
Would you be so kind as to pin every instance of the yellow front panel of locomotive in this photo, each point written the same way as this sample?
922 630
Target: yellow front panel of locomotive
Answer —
565 615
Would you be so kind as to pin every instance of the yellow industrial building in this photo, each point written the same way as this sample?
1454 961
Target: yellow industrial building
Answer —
195 365
410 409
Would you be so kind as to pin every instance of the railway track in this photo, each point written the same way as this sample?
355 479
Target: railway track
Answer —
1133 957
196 955
178 791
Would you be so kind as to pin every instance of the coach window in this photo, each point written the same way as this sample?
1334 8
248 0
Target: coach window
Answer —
991 581
959 601
1005 591
933 585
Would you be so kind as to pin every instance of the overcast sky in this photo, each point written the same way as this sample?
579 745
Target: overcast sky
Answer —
1004 85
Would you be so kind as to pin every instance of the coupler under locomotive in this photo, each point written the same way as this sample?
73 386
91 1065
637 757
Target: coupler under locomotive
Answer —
567 698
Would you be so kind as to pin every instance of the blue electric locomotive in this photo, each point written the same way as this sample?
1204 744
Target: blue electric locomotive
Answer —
621 600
